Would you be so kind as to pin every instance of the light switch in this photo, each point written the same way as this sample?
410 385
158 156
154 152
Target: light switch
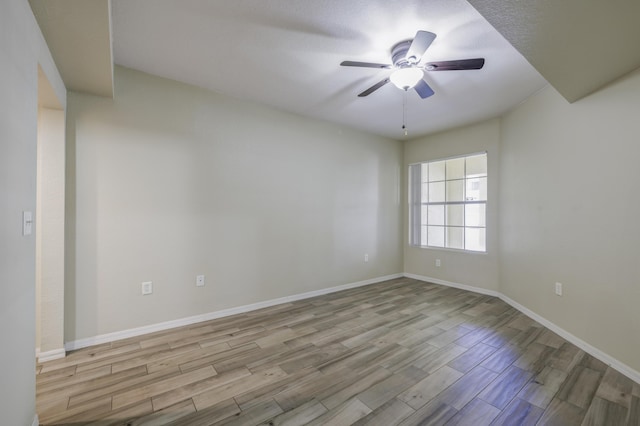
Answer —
27 223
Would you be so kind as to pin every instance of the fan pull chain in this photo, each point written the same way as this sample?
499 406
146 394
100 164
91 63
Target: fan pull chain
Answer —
404 107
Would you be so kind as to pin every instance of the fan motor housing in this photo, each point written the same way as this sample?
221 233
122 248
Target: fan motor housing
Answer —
399 55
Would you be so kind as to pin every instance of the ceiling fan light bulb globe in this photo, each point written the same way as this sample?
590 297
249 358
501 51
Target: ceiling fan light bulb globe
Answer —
406 78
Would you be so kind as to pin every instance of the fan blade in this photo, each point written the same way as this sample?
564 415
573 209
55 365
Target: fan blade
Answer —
419 45
423 89
364 64
373 88
460 64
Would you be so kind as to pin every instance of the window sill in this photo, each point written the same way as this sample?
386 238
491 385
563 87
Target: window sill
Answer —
449 249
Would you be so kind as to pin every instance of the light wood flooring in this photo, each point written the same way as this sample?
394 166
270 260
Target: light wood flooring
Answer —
399 352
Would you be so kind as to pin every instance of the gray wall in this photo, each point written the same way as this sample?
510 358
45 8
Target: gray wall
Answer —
474 269
168 181
22 48
562 208
569 210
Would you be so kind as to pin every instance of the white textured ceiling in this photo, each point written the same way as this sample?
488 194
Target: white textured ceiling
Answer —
286 54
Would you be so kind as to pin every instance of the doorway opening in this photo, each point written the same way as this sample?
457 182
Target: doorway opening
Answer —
49 221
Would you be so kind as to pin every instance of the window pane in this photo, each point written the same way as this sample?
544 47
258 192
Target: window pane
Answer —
423 236
455 168
425 172
436 192
423 215
455 215
455 190
475 214
436 171
436 215
435 236
477 165
425 192
483 189
455 237
474 239
476 189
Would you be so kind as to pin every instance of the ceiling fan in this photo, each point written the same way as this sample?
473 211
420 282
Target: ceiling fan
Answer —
408 72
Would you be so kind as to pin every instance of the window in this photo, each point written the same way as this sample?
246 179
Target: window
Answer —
448 203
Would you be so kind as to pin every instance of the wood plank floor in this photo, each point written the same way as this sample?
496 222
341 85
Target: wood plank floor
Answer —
401 352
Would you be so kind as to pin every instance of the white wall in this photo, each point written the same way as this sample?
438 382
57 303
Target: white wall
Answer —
168 181
569 210
475 269
50 236
21 49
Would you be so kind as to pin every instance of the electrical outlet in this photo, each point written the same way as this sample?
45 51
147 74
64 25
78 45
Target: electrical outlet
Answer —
559 289
366 257
438 263
200 281
147 287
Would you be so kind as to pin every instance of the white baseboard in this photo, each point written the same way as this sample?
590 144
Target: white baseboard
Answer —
50 355
119 335
591 350
110 337
36 421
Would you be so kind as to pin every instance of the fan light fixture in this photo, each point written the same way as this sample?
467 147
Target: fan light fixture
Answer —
406 78
408 71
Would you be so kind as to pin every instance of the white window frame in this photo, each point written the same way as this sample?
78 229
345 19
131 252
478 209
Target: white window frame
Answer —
416 205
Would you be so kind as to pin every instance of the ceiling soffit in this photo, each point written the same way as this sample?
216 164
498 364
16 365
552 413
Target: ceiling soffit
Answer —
78 33
578 46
